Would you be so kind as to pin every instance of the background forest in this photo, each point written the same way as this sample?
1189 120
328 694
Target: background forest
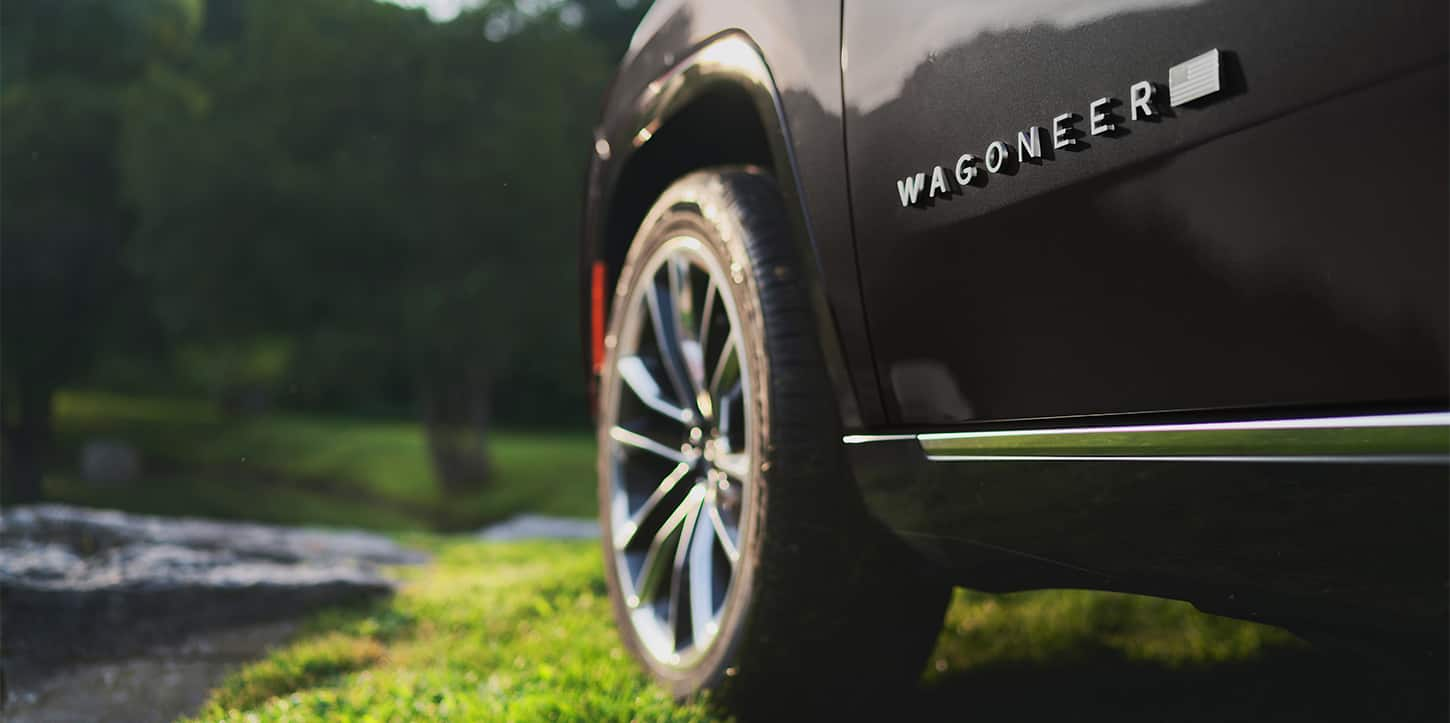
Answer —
233 225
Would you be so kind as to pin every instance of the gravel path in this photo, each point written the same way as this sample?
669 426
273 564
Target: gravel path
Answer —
538 527
111 616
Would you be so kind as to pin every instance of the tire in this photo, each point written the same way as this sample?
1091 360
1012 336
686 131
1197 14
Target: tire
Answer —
821 608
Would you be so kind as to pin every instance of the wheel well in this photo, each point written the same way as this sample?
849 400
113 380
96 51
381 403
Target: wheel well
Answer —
721 126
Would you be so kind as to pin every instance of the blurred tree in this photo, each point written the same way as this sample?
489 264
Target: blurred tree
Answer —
67 64
612 23
381 188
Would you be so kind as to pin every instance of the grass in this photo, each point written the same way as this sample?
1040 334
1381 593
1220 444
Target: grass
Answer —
516 631
1035 628
296 468
522 631
1083 655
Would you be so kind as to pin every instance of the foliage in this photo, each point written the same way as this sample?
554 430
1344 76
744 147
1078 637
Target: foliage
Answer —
64 221
375 185
309 469
338 204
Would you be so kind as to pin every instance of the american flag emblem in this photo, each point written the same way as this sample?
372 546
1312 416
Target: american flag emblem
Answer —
1192 79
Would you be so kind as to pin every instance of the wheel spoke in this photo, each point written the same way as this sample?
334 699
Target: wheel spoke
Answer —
706 315
702 575
727 541
726 403
678 580
727 353
637 377
682 289
664 319
736 465
639 441
626 532
682 293
659 559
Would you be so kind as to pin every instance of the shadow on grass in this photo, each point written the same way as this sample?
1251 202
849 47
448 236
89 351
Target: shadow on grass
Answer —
1080 655
1303 685
332 644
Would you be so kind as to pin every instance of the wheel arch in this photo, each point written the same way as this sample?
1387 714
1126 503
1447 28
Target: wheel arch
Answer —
718 105
689 140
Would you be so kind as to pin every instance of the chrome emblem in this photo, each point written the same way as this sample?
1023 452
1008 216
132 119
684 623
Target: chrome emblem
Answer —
1195 78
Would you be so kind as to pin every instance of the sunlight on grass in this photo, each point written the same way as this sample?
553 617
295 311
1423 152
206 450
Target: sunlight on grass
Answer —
518 631
97 408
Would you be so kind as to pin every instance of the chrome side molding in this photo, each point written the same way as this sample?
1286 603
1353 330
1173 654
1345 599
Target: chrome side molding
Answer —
1413 438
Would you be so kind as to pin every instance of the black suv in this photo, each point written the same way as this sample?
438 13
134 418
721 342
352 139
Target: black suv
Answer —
1148 296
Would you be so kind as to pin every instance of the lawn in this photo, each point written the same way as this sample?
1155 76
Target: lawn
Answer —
522 631
295 468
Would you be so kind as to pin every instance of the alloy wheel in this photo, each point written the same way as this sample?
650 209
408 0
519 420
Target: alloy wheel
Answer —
680 451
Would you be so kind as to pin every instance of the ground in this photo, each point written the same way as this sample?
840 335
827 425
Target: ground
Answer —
522 630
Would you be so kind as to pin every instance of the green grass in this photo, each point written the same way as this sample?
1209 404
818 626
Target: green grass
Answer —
295 468
1064 626
1083 655
523 632
517 631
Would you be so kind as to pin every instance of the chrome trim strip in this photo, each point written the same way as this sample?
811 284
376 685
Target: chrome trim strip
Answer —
1391 438
868 438
1425 419
1388 435
1301 459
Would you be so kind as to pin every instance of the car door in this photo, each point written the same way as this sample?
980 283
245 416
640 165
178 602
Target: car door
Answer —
1278 240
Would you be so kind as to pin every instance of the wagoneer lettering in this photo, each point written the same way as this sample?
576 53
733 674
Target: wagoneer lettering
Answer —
1189 81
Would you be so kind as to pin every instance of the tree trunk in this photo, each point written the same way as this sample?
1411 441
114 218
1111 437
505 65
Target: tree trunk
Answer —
27 437
456 416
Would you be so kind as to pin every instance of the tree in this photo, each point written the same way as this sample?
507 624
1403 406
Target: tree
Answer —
349 170
611 23
67 64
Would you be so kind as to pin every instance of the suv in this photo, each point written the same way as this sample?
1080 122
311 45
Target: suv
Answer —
880 298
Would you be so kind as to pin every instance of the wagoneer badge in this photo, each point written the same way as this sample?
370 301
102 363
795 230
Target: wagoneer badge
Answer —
1188 81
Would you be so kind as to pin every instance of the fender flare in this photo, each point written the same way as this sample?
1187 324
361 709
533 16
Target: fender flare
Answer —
729 58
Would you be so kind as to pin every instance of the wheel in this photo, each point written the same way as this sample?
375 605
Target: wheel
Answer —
738 556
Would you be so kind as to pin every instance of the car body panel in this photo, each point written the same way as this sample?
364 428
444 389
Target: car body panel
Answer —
1307 544
1278 249
1280 243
